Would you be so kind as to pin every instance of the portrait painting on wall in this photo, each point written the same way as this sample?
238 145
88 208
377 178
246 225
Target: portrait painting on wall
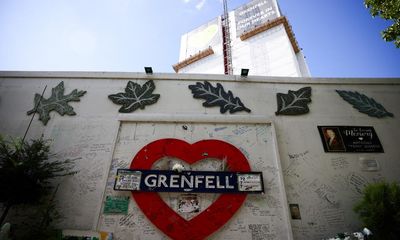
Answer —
333 140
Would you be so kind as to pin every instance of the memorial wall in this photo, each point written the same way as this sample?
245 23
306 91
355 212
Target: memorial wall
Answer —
209 156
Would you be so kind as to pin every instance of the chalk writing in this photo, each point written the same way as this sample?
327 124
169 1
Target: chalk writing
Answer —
339 163
327 193
334 216
241 130
100 147
261 131
127 221
220 129
357 182
109 222
244 152
261 232
298 155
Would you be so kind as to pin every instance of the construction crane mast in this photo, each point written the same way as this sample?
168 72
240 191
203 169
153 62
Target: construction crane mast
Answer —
226 40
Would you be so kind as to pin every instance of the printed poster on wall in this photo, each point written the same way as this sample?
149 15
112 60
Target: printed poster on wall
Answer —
349 139
116 205
254 14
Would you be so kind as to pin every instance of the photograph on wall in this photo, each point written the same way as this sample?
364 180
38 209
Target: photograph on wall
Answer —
295 211
333 141
349 139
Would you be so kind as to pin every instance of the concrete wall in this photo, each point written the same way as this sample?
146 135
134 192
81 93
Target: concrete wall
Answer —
325 185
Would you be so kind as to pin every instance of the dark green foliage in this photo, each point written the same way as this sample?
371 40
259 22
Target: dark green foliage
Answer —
379 210
26 171
388 10
39 224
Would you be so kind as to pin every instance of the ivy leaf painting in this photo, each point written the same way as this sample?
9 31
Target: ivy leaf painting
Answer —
294 102
364 104
216 96
135 96
57 101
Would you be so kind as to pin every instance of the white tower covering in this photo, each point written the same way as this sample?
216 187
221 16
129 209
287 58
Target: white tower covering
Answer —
261 41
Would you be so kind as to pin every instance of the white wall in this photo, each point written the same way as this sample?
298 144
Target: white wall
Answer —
310 175
301 59
212 64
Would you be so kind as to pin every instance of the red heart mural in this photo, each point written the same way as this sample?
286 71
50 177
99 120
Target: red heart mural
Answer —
209 220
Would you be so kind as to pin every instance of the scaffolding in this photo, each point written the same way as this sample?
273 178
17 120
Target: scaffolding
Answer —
226 40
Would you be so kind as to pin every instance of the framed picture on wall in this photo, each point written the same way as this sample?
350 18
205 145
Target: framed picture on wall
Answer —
349 139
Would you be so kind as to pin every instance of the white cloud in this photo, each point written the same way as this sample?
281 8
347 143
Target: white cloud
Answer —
200 5
186 1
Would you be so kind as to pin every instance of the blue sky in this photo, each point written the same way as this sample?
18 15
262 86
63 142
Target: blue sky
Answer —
339 38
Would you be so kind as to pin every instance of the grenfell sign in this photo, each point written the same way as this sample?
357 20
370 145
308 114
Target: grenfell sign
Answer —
188 181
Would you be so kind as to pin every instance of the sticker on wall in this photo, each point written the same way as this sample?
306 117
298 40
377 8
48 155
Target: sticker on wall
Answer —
135 96
57 102
167 219
217 96
294 102
368 164
364 104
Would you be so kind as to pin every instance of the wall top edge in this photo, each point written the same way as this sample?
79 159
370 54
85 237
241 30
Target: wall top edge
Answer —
197 77
194 118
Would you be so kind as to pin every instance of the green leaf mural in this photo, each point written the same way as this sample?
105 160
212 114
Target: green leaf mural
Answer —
364 104
57 102
294 102
217 96
135 96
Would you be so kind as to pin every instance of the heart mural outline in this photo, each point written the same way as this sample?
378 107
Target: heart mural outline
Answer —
212 218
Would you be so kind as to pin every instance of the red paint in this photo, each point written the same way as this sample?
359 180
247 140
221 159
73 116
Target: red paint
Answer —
209 220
